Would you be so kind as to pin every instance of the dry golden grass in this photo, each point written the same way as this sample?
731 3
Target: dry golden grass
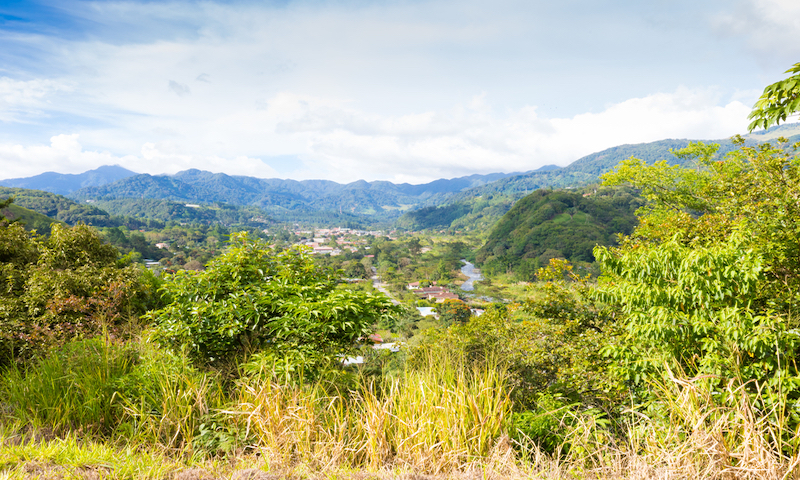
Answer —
438 420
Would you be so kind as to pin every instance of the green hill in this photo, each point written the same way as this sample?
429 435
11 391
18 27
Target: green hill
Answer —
30 219
548 224
58 207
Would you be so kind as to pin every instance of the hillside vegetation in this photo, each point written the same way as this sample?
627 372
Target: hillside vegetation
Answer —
378 199
28 218
58 207
688 343
556 224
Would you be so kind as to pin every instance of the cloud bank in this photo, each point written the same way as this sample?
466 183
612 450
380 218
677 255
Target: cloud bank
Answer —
411 90
346 144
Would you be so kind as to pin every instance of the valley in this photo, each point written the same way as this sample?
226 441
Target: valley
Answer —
484 318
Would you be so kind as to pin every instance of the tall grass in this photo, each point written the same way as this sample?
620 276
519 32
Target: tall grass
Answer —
112 389
442 418
165 399
72 388
689 431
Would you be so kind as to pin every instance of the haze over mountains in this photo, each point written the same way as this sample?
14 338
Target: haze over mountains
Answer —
66 183
378 198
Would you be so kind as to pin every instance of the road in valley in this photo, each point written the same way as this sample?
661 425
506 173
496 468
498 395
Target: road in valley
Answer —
376 283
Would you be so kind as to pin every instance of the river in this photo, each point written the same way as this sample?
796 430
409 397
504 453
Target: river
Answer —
473 276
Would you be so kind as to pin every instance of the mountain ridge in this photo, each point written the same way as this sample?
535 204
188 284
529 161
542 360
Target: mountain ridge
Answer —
379 199
66 183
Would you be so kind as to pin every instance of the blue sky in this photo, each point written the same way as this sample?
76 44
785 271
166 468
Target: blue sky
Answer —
396 90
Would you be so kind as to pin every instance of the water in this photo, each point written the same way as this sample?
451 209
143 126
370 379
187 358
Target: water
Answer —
474 276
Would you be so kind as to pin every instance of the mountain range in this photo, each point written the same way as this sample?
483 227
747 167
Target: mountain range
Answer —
66 183
113 186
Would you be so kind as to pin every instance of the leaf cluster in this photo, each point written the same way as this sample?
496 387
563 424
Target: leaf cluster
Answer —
778 101
67 286
708 282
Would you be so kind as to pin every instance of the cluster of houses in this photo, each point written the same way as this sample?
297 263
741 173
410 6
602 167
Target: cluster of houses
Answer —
321 236
432 293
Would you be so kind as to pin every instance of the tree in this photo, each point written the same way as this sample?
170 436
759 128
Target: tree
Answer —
414 246
709 280
3 205
68 286
779 100
256 299
453 311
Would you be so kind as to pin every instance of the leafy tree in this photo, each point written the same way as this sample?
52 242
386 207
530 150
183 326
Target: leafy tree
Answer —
4 204
779 101
254 298
67 286
453 311
550 345
708 282
414 246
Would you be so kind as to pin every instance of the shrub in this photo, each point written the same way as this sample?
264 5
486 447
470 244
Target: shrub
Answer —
253 298
68 286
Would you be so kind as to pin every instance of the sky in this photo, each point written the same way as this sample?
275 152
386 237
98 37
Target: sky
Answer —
405 91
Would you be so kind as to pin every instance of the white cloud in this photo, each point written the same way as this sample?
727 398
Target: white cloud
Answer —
371 90
770 27
166 157
344 143
21 100
65 154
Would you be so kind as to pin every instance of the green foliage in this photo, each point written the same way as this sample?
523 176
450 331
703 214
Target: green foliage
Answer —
551 224
542 426
433 217
72 387
453 311
708 282
59 207
254 298
28 218
779 100
99 386
577 327
67 286
549 346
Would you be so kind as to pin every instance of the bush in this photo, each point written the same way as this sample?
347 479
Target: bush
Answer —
253 298
68 286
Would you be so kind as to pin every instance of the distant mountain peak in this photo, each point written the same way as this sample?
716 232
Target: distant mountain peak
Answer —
66 183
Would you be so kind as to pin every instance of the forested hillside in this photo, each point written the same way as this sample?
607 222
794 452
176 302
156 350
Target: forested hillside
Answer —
28 218
380 199
556 224
58 207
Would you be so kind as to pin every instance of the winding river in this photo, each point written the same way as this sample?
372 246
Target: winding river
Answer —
473 274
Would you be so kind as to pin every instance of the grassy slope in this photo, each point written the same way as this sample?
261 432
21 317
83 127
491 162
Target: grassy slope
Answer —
32 220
